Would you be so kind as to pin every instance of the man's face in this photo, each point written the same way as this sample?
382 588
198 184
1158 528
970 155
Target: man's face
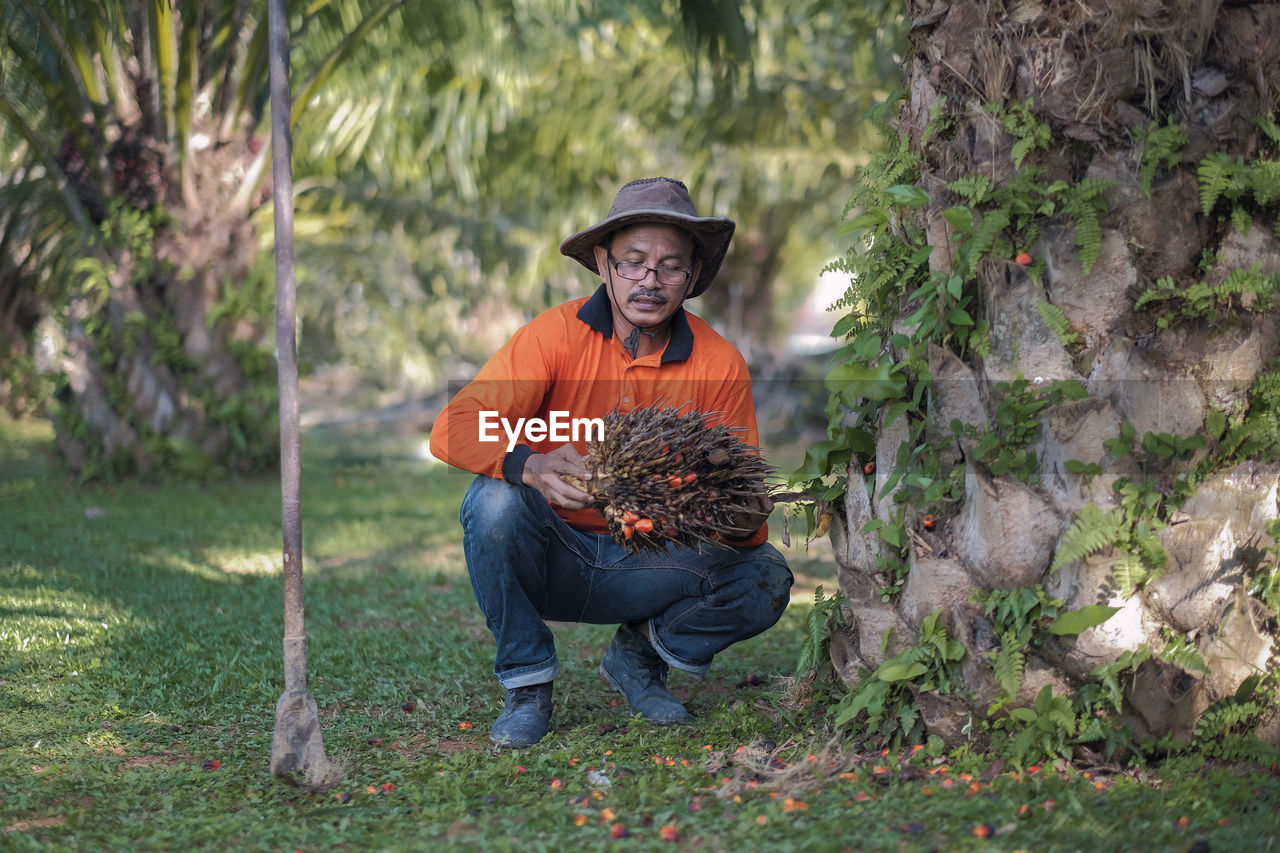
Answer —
648 302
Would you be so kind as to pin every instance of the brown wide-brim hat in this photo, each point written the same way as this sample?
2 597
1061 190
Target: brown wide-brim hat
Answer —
660 200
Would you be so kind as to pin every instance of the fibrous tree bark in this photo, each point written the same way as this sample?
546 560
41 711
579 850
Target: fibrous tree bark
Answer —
1056 415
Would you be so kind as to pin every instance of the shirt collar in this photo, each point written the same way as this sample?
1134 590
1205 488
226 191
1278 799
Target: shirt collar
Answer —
597 313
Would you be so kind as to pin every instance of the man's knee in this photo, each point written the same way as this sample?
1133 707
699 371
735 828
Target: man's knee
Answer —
771 579
492 505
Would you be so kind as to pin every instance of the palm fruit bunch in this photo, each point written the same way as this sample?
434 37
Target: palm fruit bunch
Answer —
663 475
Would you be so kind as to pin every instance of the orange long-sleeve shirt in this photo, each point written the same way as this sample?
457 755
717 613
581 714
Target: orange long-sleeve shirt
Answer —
566 364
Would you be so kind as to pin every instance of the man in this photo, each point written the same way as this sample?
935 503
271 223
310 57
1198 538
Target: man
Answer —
536 549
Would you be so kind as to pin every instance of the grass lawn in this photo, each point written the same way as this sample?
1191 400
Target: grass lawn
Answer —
140 663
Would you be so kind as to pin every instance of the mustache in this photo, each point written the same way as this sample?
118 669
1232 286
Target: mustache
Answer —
648 294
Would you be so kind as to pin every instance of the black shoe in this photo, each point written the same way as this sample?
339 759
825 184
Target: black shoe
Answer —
633 668
525 719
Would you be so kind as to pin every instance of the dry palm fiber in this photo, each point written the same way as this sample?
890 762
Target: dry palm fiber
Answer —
663 475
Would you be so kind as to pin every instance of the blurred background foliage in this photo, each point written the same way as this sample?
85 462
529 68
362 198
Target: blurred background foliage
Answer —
441 153
438 177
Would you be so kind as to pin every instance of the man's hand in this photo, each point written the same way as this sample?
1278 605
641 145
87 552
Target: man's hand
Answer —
746 523
546 471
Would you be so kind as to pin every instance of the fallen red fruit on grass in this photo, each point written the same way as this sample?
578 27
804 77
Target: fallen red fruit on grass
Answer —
928 522
791 804
618 831
407 707
669 833
212 764
984 830
386 788
1023 258
466 726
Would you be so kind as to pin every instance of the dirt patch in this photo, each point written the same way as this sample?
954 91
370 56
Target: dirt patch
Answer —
84 804
175 756
35 823
422 743
168 760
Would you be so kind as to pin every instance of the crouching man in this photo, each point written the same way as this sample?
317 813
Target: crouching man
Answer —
536 549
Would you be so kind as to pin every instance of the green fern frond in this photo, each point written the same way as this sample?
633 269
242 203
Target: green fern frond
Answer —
1082 203
1027 128
1263 177
1088 239
1153 554
820 621
1269 128
974 188
1129 573
1088 192
1160 147
1165 289
1240 219
1009 664
1182 652
985 236
1054 318
1215 174
1092 531
1226 728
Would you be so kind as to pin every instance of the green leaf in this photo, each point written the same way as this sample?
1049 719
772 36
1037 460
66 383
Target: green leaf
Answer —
894 534
1247 687
1075 621
872 383
871 219
908 196
821 459
960 218
891 671
845 324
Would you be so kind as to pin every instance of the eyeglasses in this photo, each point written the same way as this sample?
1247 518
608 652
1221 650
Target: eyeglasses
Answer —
665 276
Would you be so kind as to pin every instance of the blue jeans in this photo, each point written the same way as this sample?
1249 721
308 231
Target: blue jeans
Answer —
527 566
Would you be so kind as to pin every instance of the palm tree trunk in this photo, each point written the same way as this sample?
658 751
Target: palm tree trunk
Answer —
1137 497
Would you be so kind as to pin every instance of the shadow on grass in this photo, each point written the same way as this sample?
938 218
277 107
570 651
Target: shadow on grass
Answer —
172 603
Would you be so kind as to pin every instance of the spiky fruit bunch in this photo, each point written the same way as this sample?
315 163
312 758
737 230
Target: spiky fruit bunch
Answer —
663 475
